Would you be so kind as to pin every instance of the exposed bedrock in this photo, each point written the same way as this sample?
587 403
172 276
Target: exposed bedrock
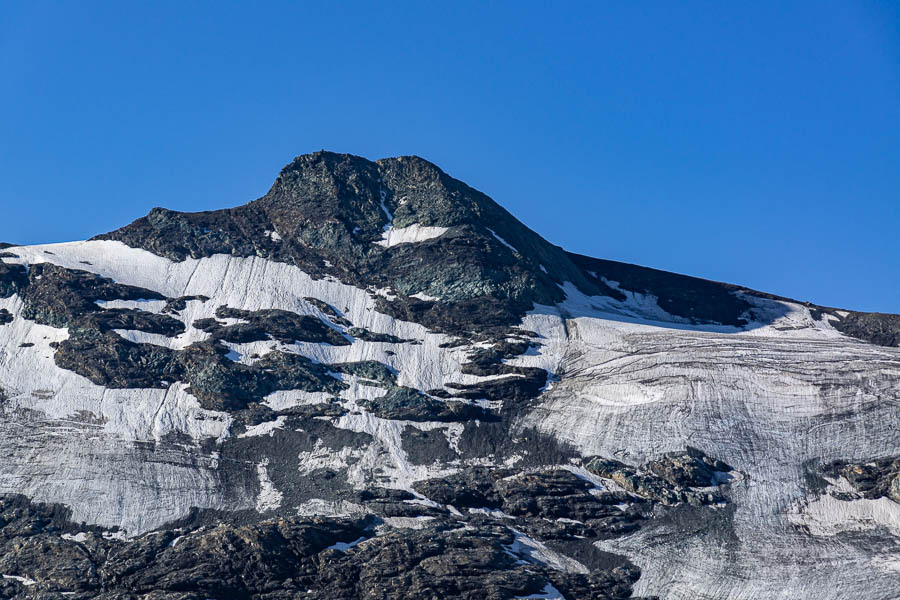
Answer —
876 328
281 325
57 296
328 210
407 404
13 279
44 555
879 478
520 454
674 479
218 382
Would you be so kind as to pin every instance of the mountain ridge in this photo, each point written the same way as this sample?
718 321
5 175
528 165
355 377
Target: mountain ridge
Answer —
374 382
347 189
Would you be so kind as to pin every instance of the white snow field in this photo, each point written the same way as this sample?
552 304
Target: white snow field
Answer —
774 400
409 235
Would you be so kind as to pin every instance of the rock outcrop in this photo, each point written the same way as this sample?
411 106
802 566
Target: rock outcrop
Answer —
374 382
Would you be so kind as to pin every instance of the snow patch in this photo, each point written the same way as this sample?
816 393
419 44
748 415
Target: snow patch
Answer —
828 516
409 235
491 512
344 546
408 522
502 241
535 551
154 306
23 580
269 497
329 508
425 297
390 217
549 592
267 428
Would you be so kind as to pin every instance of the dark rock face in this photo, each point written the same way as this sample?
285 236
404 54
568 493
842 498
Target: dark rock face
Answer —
876 328
331 207
691 468
369 370
222 384
427 447
670 480
57 296
699 300
875 479
286 558
107 359
513 389
407 404
13 279
369 336
217 381
176 305
536 500
136 320
282 325
5 317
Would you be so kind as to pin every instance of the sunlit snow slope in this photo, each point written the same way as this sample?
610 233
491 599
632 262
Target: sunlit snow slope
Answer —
601 427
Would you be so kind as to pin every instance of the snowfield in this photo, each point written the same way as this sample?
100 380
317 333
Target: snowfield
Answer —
774 400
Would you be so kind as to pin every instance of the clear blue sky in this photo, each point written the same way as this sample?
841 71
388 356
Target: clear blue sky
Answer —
756 143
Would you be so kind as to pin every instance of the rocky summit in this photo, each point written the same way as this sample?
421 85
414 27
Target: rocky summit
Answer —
374 382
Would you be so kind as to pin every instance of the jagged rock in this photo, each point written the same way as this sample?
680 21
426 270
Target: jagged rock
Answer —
427 447
309 411
220 383
281 325
368 369
331 312
57 296
489 361
407 404
877 328
5 317
369 336
13 279
176 305
525 385
662 484
285 558
540 498
691 468
137 320
107 359
228 561
878 478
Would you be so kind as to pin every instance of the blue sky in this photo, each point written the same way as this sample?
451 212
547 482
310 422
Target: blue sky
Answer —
756 143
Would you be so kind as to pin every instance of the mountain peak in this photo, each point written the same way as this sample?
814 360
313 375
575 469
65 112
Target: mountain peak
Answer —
375 363
402 224
396 223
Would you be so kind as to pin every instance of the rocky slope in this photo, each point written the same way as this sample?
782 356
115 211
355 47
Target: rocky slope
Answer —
374 382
